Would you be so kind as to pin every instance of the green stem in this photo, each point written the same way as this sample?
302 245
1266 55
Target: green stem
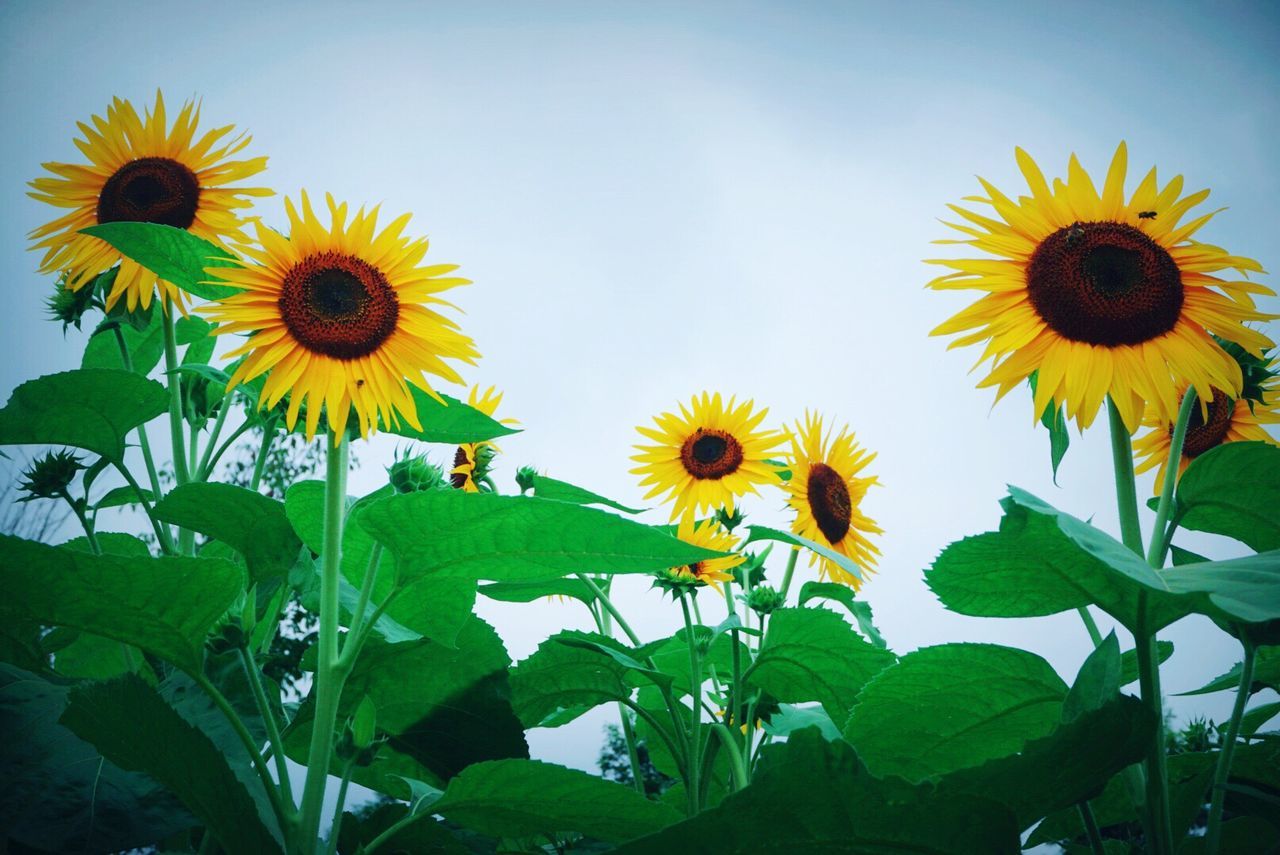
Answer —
610 607
84 523
203 468
737 767
1126 490
174 382
1159 541
1094 635
786 575
254 677
206 468
677 750
1213 838
1091 828
127 361
629 734
362 602
1149 683
163 535
259 464
328 675
695 701
193 448
332 845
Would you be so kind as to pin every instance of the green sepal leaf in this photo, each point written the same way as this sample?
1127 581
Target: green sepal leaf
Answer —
1234 490
1055 421
251 523
847 597
162 605
562 491
92 408
759 532
175 255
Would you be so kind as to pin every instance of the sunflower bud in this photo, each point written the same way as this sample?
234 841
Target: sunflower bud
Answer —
677 580
730 519
227 638
764 600
415 475
49 476
526 477
67 305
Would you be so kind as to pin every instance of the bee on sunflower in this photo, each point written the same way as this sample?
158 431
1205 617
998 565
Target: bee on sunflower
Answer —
341 316
1103 297
472 460
142 169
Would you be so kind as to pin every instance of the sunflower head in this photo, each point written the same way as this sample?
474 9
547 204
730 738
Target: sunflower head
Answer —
1101 295
49 477
714 571
341 316
826 492
473 460
142 169
707 455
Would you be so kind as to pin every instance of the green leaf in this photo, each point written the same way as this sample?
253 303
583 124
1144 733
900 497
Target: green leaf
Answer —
57 793
134 728
759 532
145 346
1234 490
515 538
811 795
1098 681
1243 835
423 835
451 422
92 408
162 605
120 497
1266 675
563 677
846 596
93 657
173 254
1055 421
251 523
527 798
953 706
813 655
1129 661
1255 718
789 719
1238 589
563 491
527 592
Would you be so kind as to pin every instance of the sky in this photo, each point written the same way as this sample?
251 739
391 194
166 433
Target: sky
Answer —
654 199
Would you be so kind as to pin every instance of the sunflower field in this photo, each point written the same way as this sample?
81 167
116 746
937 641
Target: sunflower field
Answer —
229 673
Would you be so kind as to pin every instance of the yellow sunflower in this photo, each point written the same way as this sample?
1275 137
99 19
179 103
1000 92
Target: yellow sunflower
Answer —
473 456
142 170
1226 419
1101 296
709 535
340 316
826 493
707 455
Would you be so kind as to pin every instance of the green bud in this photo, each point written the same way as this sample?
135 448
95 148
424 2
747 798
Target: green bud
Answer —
68 305
415 475
363 724
526 477
50 476
764 600
730 521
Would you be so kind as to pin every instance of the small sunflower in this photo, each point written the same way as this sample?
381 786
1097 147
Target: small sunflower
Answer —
1101 296
471 460
826 493
709 535
340 316
142 170
1225 419
708 455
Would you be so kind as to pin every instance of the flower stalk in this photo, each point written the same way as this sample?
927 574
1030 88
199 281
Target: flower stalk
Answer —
1222 772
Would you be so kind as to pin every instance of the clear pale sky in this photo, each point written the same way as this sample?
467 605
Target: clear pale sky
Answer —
659 198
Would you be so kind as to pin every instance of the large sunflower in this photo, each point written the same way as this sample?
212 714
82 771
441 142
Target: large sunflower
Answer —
472 459
826 493
714 571
707 455
1099 295
142 170
340 317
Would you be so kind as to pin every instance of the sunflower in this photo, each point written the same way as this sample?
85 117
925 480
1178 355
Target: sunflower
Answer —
1100 296
707 455
471 460
826 492
1225 419
714 571
340 317
142 170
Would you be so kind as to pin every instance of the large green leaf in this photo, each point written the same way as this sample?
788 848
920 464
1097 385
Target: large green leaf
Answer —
811 795
92 657
1234 490
527 592
944 708
528 798
562 491
760 532
561 677
173 254
92 408
515 538
848 598
133 727
145 346
1030 567
448 421
423 835
814 655
57 792
251 523
1266 675
162 605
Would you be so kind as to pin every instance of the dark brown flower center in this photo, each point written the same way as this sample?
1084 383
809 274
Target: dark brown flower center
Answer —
711 454
459 479
829 501
150 190
338 305
1204 433
1104 283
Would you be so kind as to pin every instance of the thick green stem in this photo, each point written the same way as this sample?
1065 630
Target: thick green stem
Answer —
1091 828
1126 489
695 722
786 575
328 675
254 676
174 381
737 767
259 464
1221 774
1159 538
127 361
